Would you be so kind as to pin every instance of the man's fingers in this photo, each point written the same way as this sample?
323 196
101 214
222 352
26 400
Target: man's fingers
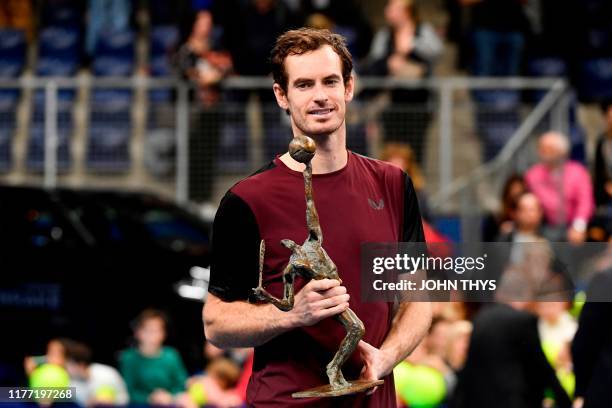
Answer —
331 302
365 347
332 311
320 285
335 291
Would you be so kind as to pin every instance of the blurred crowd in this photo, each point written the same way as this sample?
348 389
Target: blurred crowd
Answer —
474 355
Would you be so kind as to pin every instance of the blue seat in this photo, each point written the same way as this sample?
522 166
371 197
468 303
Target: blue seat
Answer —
36 141
65 13
36 148
164 41
595 80
12 62
110 109
108 148
6 157
58 51
12 52
547 66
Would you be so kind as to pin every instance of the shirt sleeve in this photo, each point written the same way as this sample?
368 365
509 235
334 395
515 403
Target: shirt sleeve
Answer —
412 228
234 266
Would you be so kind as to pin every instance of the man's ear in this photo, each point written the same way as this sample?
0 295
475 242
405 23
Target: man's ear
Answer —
349 89
281 96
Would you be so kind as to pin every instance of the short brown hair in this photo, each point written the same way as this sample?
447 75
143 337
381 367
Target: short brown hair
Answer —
149 314
300 41
78 352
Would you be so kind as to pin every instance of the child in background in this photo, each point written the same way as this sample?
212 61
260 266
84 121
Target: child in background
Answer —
56 354
216 386
154 373
96 384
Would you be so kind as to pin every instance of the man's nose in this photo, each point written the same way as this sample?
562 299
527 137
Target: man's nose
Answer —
320 95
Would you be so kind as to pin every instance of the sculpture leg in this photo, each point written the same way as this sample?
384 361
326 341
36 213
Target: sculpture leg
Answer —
354 332
284 304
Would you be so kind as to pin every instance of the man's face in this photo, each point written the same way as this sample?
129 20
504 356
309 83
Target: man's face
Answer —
316 95
549 151
528 212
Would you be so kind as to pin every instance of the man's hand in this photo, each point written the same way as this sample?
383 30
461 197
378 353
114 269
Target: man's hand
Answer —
578 402
375 363
161 397
574 236
319 299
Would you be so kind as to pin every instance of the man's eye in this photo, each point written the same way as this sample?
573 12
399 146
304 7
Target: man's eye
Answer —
302 85
332 82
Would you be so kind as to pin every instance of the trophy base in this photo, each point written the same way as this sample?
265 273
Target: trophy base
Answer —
327 391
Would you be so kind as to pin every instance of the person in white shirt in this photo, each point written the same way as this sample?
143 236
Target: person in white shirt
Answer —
95 383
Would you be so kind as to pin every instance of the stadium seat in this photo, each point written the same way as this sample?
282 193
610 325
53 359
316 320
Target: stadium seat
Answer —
595 80
65 13
12 52
12 63
110 121
109 132
58 52
36 141
108 148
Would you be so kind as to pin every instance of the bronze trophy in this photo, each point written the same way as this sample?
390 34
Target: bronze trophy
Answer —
310 261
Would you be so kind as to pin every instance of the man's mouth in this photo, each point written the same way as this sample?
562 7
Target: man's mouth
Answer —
320 112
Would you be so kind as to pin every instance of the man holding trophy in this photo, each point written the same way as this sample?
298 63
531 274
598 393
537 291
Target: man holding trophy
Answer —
298 305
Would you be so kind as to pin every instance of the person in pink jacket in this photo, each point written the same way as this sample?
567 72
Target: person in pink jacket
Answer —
564 189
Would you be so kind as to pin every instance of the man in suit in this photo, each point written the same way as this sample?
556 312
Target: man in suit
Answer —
592 346
506 367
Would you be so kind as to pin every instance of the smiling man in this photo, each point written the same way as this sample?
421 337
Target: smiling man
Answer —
313 84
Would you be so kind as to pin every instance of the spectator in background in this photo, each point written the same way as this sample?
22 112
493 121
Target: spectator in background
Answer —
498 35
592 346
458 344
402 155
496 225
347 19
95 383
106 15
407 49
217 384
56 354
17 14
527 221
154 373
602 174
203 62
564 189
506 366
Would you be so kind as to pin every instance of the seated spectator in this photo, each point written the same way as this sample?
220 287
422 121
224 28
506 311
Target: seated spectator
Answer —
17 14
56 354
505 365
217 384
498 34
527 221
406 48
402 155
154 373
502 223
564 189
458 343
602 176
95 383
205 63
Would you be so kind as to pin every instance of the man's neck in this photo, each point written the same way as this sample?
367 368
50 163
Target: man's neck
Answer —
331 154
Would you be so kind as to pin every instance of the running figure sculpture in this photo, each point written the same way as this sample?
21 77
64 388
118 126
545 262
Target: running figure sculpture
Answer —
310 261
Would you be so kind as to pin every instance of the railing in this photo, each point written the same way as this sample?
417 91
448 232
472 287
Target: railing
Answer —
250 129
